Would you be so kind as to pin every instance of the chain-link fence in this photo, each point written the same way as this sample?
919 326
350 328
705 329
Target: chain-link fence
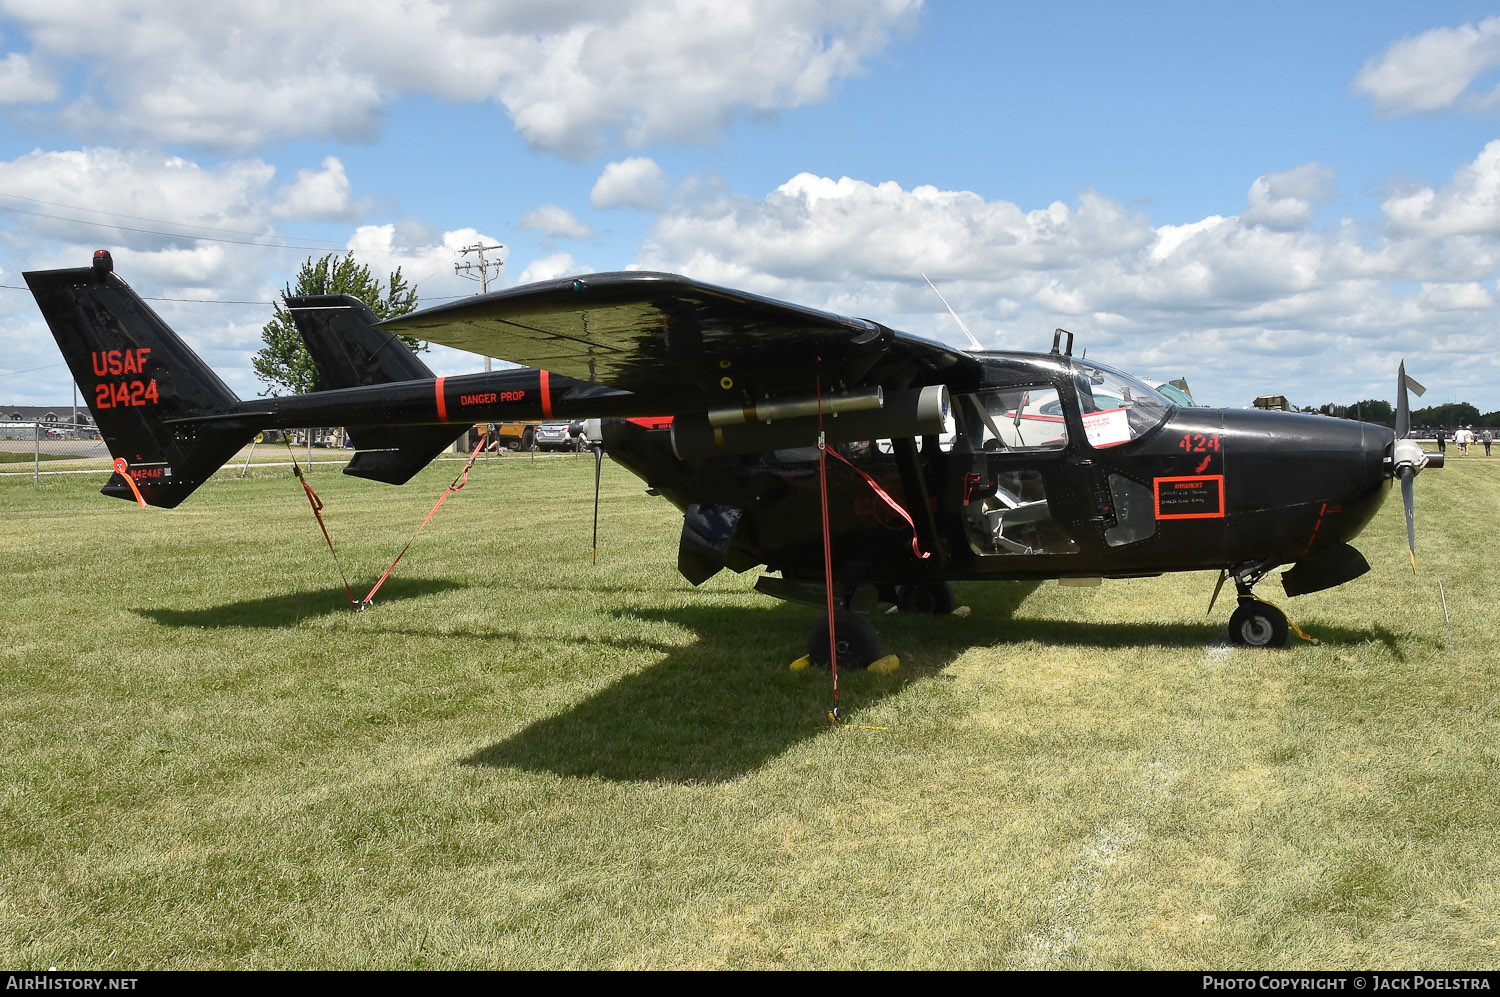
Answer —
33 449
37 448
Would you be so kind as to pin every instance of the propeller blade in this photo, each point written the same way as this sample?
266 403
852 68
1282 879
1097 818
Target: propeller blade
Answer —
1403 411
598 471
1408 500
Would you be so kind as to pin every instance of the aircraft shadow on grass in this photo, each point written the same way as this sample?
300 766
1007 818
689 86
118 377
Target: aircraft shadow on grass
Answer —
717 709
288 608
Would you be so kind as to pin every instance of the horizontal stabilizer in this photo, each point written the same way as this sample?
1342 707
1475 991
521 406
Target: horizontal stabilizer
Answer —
393 454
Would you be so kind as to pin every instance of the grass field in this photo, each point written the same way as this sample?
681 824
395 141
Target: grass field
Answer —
520 759
15 457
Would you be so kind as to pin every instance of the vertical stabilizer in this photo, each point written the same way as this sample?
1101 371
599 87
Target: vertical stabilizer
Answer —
349 352
139 378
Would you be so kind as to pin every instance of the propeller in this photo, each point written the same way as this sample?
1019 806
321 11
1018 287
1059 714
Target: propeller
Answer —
1409 457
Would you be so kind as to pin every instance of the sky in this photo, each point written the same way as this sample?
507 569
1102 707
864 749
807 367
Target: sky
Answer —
1262 198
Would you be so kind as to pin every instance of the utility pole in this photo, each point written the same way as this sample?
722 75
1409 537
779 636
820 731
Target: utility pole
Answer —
479 271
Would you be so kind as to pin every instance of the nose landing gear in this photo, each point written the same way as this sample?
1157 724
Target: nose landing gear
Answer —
1254 623
1257 624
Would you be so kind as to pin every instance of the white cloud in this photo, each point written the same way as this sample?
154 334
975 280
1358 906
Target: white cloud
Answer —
556 222
636 182
1286 201
575 78
133 200
1263 287
551 267
317 195
1470 205
1431 71
823 229
429 262
23 82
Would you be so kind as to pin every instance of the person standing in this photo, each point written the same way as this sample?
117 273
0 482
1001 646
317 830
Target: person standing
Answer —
1487 438
1441 442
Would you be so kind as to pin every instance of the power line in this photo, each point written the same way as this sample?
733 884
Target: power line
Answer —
139 218
31 370
309 245
226 301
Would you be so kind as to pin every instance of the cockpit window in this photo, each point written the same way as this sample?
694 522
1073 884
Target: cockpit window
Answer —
1116 407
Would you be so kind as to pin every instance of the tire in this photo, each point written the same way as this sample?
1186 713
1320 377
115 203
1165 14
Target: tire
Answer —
858 643
1257 624
932 598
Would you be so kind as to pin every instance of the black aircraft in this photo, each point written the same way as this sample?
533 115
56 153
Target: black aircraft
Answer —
854 463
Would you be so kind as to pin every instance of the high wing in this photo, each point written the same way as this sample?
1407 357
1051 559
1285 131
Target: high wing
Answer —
665 337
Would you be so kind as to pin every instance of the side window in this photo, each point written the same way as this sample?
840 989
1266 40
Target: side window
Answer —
1012 419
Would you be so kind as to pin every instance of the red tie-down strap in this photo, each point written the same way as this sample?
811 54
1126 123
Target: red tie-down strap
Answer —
317 508
122 468
458 482
887 498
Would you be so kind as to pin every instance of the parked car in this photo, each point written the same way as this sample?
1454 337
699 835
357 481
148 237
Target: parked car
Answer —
558 436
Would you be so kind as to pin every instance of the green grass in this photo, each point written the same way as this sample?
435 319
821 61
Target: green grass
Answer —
521 759
14 457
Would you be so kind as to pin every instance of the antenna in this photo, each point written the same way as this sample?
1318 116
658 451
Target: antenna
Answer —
972 341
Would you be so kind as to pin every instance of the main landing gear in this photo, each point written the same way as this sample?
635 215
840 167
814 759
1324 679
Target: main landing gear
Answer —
1255 623
856 642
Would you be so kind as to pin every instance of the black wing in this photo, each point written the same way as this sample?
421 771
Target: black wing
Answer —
664 336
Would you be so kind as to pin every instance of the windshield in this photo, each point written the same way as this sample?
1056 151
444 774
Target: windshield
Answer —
1116 407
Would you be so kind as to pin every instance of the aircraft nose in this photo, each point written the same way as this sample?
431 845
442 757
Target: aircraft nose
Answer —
1367 471
1330 471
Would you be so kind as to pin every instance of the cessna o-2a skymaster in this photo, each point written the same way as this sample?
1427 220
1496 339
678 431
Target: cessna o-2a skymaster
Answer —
856 463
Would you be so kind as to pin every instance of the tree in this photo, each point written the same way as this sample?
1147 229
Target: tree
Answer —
1448 415
1376 410
284 363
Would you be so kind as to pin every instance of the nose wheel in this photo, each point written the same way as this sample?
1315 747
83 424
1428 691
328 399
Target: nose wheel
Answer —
1254 623
1257 624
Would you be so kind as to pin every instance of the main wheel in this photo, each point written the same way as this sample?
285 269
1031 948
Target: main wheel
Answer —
1257 624
855 638
934 598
